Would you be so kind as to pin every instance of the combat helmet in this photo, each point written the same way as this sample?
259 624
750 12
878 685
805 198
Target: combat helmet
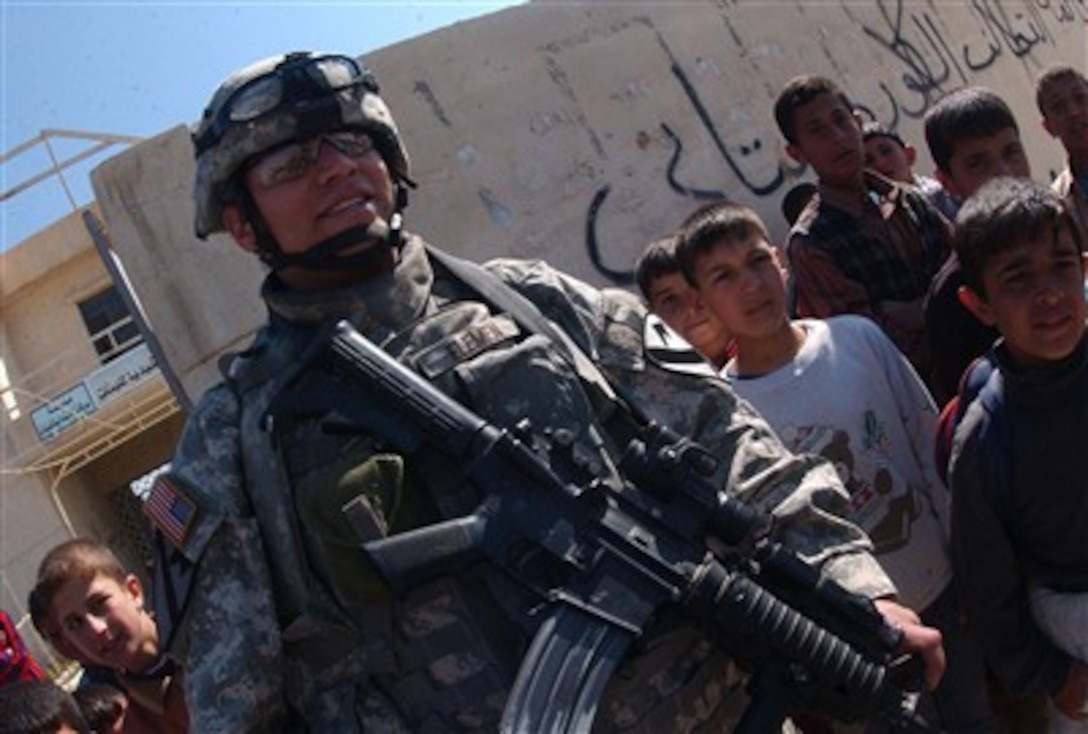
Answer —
278 100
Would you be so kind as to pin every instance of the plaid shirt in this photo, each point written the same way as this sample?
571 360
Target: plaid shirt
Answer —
872 254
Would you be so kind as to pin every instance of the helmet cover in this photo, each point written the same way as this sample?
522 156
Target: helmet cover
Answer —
279 100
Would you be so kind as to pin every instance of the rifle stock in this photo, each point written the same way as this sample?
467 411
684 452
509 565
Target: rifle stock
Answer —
624 555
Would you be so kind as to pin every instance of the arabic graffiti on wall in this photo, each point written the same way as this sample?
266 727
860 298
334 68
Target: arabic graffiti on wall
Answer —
927 63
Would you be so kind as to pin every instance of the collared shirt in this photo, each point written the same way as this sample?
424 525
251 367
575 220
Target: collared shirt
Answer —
870 253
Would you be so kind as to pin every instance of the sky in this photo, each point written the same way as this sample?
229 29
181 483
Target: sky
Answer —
140 67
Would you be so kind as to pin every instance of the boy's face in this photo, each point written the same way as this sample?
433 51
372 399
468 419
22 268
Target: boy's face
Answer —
1064 103
974 161
1035 298
829 139
889 158
678 305
741 282
105 620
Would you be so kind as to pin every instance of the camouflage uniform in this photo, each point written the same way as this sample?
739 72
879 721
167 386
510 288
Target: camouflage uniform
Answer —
285 628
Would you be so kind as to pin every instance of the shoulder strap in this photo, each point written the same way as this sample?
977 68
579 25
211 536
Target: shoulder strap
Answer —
973 380
981 381
991 395
526 313
246 373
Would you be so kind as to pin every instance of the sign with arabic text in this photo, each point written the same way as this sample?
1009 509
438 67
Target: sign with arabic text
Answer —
63 411
121 374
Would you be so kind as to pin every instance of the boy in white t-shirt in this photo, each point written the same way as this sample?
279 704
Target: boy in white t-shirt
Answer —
840 388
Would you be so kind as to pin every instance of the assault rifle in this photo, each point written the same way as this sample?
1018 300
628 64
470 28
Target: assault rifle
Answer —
666 539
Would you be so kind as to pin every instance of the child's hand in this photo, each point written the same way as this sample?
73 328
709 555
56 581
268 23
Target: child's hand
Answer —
917 639
1072 698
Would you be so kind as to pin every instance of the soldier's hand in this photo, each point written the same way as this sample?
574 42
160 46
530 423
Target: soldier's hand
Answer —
1072 698
917 639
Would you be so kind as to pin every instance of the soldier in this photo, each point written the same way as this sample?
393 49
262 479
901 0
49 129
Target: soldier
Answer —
284 625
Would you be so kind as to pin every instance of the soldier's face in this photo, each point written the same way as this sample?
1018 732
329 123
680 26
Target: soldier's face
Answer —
337 191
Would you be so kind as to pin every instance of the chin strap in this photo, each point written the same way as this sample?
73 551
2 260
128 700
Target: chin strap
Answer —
325 256
384 238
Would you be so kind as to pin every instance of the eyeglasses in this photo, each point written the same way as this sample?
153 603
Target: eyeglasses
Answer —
298 79
291 161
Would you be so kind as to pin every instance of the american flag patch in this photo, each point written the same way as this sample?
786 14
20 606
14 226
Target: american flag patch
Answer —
170 510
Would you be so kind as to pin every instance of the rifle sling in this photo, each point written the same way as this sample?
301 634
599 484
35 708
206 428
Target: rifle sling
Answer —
619 417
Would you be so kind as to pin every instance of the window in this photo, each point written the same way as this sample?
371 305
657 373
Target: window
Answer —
113 330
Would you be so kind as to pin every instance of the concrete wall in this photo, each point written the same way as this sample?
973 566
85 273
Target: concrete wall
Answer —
579 132
59 269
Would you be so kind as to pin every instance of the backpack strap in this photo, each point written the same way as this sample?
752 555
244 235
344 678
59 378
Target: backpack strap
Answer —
972 382
981 381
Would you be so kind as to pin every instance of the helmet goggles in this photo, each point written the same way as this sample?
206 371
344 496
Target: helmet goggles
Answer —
299 79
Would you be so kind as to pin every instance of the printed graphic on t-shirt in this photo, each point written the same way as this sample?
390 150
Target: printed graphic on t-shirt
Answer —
882 502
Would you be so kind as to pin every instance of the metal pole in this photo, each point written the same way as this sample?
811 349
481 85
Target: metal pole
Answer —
120 281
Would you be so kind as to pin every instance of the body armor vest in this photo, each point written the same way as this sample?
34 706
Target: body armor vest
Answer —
446 653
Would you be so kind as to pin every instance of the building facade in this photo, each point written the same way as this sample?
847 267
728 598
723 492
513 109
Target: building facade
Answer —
87 413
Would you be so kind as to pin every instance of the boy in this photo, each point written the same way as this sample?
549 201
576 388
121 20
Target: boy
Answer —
100 612
865 409
668 295
39 707
1020 510
888 154
972 137
103 706
865 245
1062 97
